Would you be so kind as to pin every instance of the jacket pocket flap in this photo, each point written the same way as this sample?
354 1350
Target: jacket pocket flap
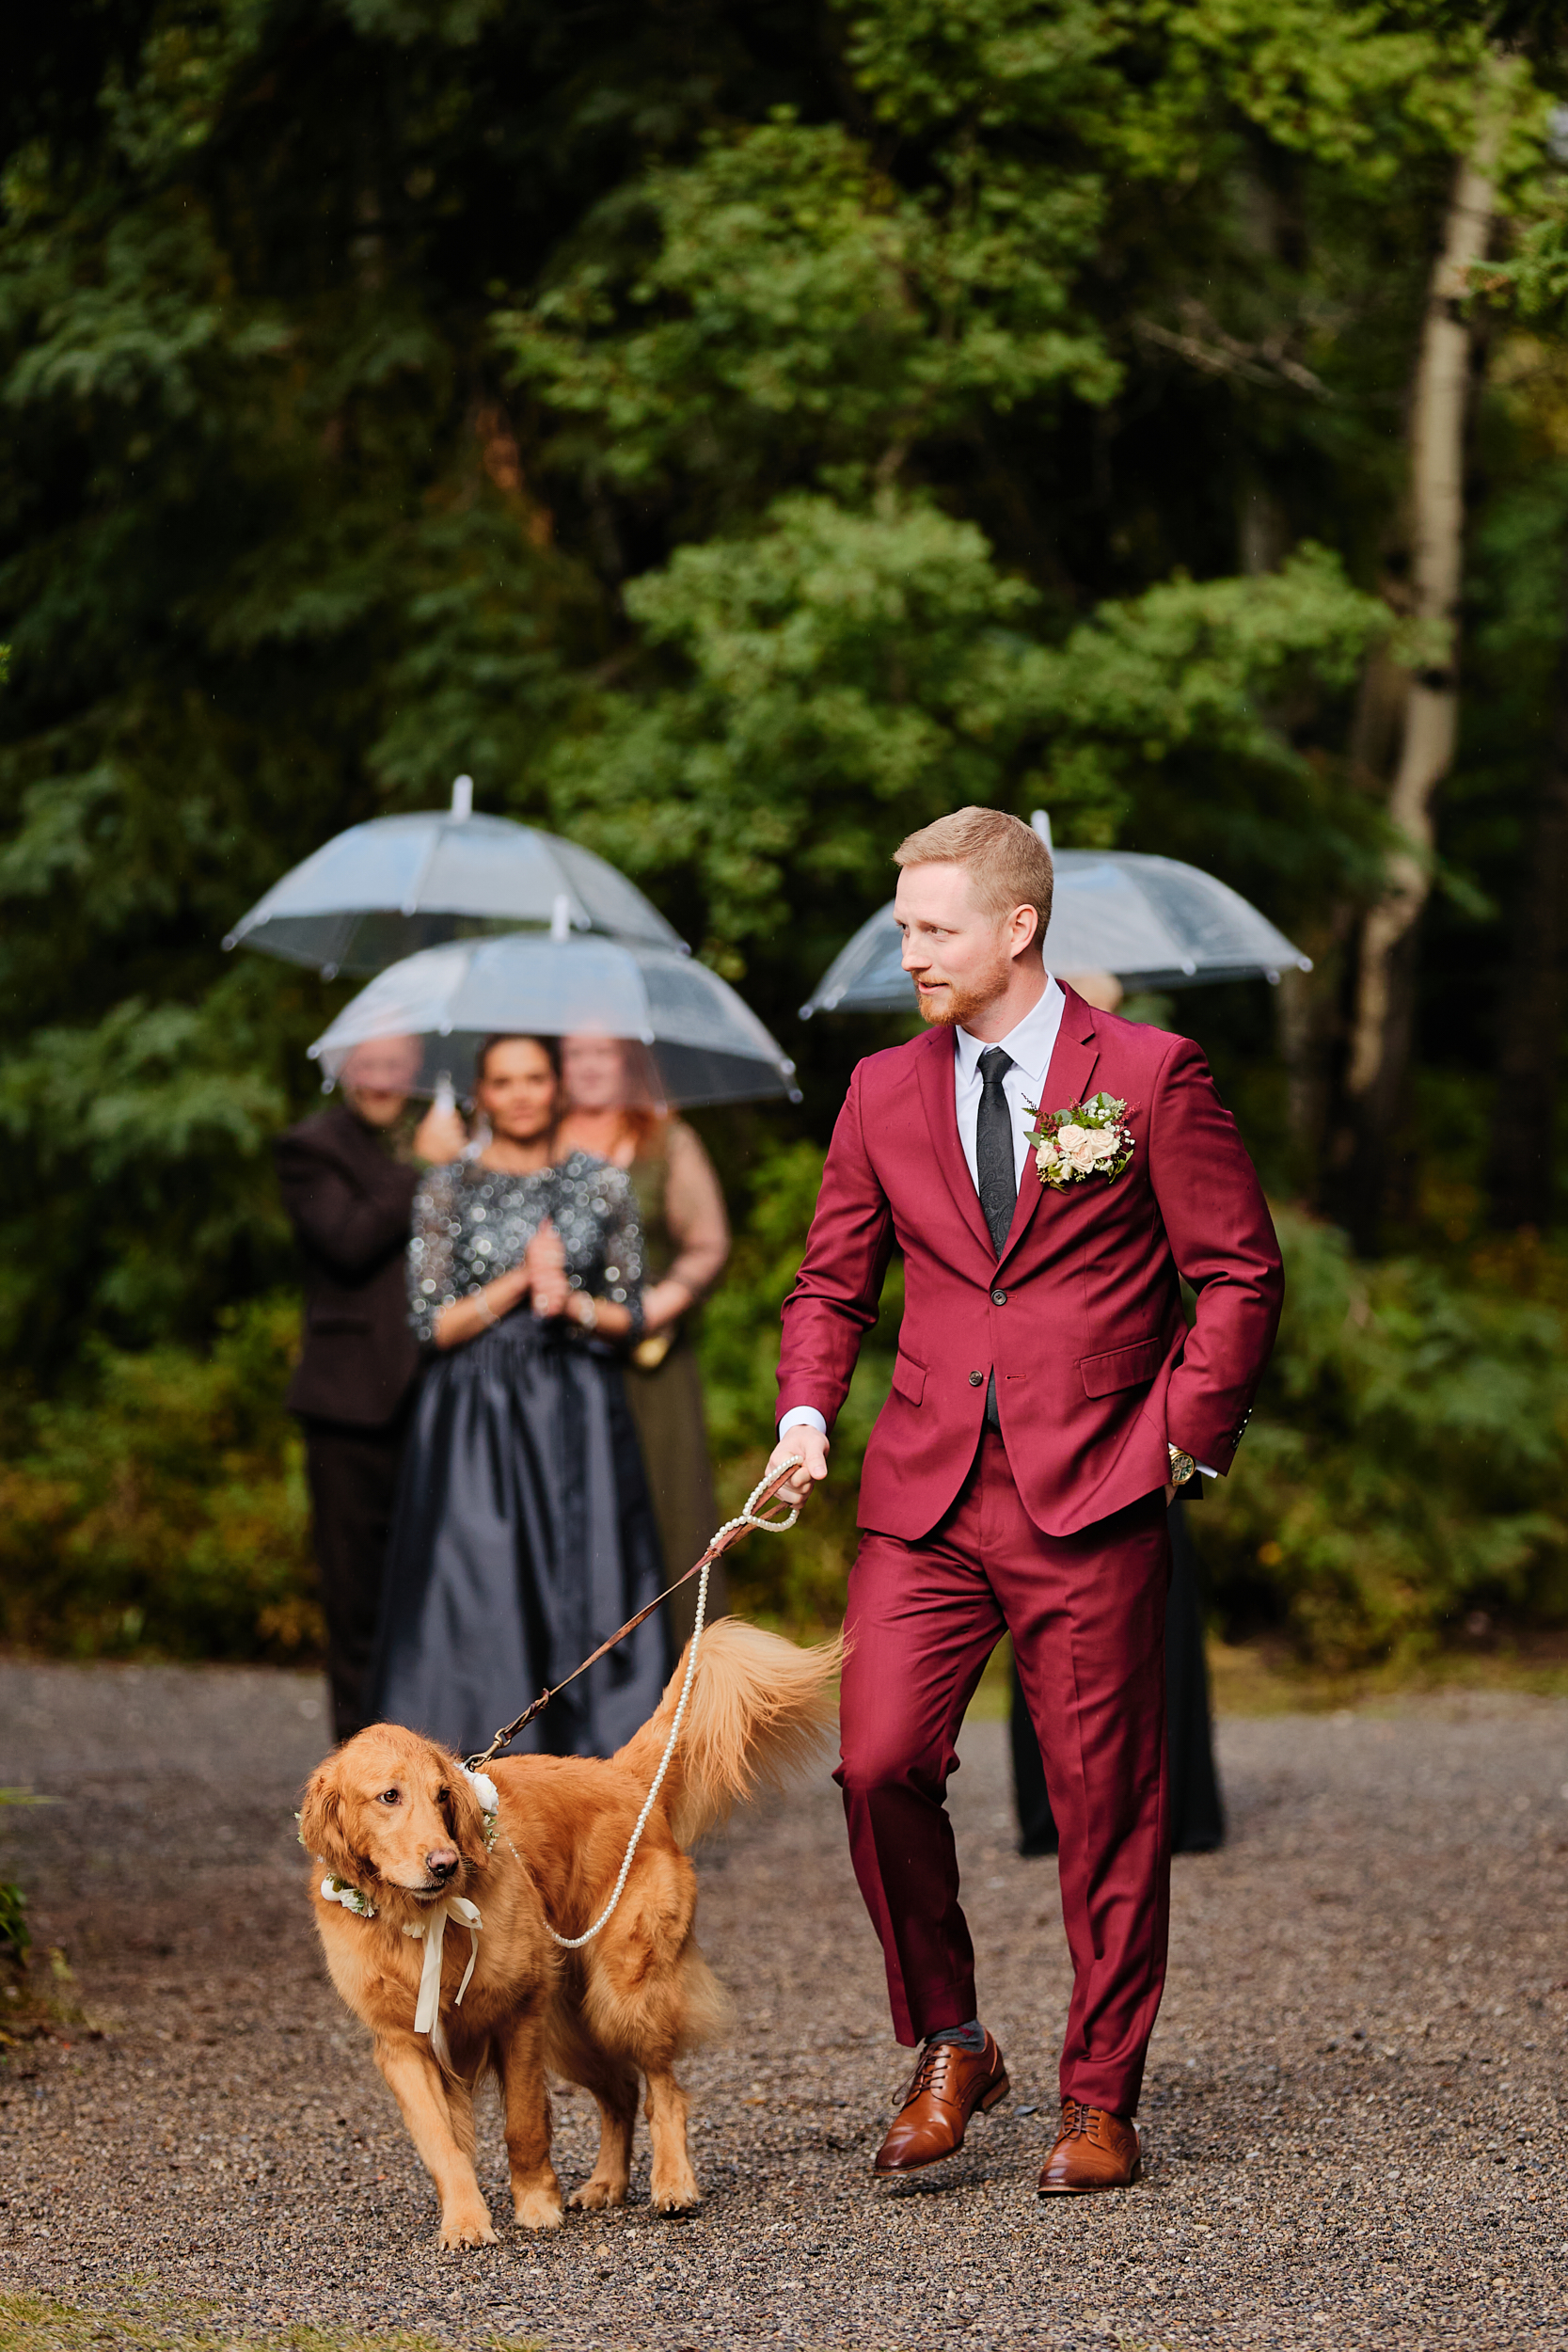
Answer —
909 1378
1121 1367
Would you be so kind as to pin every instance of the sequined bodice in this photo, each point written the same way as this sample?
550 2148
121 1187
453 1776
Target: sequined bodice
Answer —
472 1222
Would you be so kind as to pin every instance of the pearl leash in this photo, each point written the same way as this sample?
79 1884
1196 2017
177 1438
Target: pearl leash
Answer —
747 1517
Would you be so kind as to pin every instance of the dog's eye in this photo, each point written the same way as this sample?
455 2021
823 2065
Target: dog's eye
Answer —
391 1796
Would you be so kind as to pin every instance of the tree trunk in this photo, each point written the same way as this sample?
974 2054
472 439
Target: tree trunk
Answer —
1523 1174
1382 1016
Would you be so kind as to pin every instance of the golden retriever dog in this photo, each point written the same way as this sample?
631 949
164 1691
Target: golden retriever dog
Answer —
396 1821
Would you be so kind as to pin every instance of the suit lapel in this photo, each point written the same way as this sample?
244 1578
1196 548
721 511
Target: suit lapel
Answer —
936 1094
1072 1061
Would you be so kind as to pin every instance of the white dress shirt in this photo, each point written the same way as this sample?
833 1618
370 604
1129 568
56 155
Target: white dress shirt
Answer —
1031 1045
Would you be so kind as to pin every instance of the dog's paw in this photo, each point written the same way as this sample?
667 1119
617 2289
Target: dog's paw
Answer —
595 2196
675 2196
467 2226
539 2209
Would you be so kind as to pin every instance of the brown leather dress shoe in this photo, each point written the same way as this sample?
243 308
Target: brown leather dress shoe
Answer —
1094 2149
949 2083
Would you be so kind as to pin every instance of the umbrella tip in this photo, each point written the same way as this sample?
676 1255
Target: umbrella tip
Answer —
561 917
463 797
1040 823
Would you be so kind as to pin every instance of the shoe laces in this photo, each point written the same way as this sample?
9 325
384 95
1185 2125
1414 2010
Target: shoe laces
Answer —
932 2066
1076 2120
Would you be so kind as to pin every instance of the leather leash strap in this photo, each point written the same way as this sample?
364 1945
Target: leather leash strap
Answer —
731 1533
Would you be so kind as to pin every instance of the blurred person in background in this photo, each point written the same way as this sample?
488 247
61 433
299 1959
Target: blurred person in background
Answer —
348 1178
523 1535
1197 1815
613 1109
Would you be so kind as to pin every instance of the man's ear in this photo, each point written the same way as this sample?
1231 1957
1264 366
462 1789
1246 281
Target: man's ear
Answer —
322 1827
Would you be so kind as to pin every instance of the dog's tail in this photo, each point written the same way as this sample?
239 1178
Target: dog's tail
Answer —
759 1709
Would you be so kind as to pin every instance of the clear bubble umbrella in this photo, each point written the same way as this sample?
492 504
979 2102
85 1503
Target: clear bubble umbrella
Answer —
1152 921
705 1043
387 888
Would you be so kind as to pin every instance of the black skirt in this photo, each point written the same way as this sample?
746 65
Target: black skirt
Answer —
522 1537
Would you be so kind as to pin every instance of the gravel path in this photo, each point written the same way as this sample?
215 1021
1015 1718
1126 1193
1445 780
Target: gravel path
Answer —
1353 2106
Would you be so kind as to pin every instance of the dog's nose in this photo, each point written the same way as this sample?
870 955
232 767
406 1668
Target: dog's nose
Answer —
441 1862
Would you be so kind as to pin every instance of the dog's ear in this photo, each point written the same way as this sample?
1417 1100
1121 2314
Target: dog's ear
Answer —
468 1818
323 1830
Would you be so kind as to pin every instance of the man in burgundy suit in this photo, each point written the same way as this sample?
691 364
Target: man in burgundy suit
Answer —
1047 1398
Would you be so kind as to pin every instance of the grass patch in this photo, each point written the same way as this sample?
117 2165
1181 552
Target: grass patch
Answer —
35 2323
1264 1677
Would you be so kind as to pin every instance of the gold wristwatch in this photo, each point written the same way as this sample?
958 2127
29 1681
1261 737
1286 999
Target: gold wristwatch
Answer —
1182 1467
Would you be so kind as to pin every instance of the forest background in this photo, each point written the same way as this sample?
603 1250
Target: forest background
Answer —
735 435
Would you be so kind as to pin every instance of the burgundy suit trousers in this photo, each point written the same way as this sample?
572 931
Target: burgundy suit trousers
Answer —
1087 1613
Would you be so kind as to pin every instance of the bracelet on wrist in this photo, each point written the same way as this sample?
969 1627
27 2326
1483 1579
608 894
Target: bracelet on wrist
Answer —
589 1317
482 1303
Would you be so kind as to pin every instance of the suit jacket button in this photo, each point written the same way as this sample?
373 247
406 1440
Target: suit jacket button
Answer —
999 1299
975 1378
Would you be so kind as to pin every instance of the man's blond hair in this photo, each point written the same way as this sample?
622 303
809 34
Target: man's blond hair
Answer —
1006 860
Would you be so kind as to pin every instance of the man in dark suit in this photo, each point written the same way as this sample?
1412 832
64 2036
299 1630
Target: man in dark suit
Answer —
348 1196
1047 1398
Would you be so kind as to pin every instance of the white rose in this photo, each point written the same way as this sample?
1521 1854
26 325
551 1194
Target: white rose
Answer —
1076 1146
1046 1156
484 1789
1102 1144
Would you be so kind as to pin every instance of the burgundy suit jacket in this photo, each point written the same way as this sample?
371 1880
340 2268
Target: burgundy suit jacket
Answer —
1080 1318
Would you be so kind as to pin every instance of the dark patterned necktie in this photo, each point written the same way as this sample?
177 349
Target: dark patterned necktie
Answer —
994 1162
994 1148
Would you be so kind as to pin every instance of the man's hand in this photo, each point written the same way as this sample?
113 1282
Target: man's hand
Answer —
440 1138
810 1449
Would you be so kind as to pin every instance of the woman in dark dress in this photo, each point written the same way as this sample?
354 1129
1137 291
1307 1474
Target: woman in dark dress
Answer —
523 1534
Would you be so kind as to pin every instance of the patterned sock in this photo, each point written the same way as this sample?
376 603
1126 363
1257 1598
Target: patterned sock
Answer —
971 2037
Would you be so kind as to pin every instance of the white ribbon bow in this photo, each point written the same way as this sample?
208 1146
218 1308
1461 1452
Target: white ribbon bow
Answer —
427 2010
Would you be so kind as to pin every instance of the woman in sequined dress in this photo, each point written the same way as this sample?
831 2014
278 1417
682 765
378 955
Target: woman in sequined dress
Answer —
523 1534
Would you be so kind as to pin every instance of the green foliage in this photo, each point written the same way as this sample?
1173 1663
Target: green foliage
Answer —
782 308
735 437
164 1508
16 1938
843 664
1407 1460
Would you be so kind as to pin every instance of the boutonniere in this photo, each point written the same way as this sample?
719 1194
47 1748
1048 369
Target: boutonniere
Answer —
1087 1139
